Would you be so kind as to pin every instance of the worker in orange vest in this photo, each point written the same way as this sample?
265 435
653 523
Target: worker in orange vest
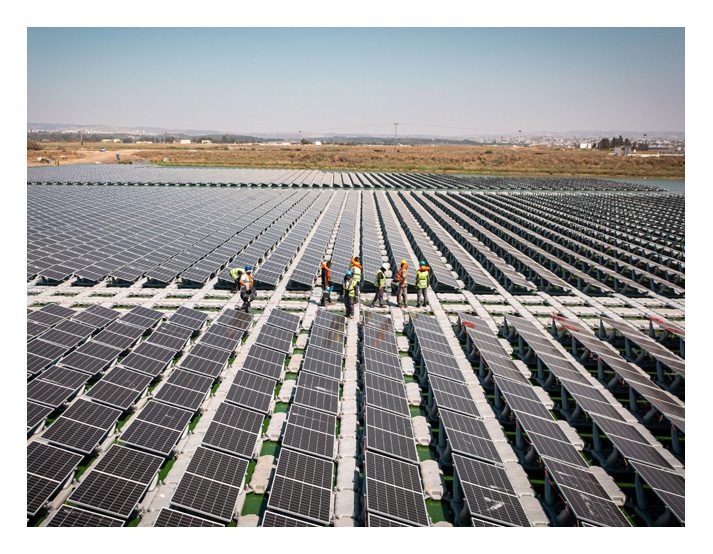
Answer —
326 277
247 288
402 280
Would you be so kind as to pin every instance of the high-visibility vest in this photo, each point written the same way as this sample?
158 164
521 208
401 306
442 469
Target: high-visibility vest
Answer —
235 273
327 274
380 280
351 288
356 271
422 277
402 275
246 281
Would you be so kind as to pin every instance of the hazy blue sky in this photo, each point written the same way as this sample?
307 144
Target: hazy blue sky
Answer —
433 81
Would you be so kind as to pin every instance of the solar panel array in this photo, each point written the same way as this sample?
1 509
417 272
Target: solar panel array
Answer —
393 490
627 438
302 276
548 439
150 174
515 242
635 377
442 279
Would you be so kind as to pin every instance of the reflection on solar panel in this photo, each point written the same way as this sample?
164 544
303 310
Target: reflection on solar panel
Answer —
315 391
118 481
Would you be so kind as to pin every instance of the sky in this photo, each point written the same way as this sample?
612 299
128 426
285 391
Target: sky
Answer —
441 82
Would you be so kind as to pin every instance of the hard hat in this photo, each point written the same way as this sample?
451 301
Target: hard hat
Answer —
348 274
423 263
403 262
383 268
248 268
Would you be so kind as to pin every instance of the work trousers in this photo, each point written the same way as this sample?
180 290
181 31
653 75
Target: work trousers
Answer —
349 306
401 296
421 294
247 298
379 297
326 298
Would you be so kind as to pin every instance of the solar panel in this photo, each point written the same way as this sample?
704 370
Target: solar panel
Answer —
211 484
377 521
382 363
170 342
117 482
252 391
393 490
234 430
188 318
71 516
36 414
284 320
330 321
385 394
265 361
48 468
390 434
380 340
272 519
670 487
322 362
143 318
223 337
184 389
275 338
488 492
82 426
468 435
96 315
49 394
149 359
315 391
173 518
302 487
120 388
310 431
157 428
235 319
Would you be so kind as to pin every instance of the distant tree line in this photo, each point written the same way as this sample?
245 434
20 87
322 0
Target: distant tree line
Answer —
609 143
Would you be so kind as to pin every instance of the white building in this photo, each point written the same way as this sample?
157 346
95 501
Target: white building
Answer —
184 141
206 142
585 145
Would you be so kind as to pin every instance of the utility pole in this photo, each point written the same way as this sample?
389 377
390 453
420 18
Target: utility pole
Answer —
396 124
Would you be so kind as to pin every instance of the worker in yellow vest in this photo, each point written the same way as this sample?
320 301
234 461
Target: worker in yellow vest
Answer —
356 270
422 275
349 293
380 284
247 288
235 274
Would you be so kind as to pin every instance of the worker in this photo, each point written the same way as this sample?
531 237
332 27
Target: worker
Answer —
356 269
380 284
402 280
422 283
247 288
349 293
326 278
235 273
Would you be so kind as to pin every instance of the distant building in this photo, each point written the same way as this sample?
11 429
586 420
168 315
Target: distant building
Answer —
184 141
318 143
115 140
106 140
586 145
622 150
204 141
